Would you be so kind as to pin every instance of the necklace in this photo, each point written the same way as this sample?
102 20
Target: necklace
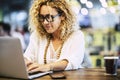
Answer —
59 52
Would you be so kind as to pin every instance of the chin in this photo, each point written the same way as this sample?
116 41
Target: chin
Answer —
49 32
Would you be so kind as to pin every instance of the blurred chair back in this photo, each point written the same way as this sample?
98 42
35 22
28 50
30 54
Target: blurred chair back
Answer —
87 63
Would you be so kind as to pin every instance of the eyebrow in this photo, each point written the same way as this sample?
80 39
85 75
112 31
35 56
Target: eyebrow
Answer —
44 14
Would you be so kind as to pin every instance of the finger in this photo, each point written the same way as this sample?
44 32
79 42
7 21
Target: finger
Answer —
35 70
28 63
32 66
41 69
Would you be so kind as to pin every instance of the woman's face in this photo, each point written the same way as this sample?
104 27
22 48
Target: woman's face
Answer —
50 18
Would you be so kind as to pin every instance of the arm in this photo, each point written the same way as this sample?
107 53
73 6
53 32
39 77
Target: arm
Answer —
31 48
73 51
56 66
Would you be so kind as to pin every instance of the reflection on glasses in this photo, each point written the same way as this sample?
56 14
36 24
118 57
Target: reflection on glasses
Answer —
48 17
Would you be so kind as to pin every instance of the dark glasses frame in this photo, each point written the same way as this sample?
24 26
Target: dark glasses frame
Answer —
48 17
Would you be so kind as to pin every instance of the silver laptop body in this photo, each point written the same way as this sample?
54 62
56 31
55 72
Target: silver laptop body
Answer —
11 59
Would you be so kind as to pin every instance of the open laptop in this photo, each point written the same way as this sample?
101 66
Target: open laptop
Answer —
12 61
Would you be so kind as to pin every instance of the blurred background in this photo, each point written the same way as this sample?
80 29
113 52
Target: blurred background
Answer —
98 19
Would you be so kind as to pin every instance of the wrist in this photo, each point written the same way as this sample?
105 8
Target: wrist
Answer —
48 67
51 67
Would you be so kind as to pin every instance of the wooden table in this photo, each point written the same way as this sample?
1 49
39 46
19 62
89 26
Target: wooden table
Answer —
83 74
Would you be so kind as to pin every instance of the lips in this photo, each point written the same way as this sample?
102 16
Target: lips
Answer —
47 27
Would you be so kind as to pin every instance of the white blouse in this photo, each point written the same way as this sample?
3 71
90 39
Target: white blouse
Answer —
73 50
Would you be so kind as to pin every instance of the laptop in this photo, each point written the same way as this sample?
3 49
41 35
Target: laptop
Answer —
12 61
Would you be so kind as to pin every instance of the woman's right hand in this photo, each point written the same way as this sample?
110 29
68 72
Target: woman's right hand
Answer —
27 63
35 67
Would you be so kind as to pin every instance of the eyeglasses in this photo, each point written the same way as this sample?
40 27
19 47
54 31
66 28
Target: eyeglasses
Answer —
48 17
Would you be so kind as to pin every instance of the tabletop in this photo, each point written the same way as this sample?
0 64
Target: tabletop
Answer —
82 74
86 74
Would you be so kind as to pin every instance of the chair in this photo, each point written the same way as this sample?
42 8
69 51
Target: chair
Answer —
87 63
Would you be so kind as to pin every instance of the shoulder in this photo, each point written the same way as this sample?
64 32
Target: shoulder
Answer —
78 33
76 36
35 37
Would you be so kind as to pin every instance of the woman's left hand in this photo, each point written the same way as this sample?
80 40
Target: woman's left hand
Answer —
35 67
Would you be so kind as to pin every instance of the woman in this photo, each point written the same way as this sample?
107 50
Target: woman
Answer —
55 42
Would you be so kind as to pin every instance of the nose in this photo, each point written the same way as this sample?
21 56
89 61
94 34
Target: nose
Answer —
45 21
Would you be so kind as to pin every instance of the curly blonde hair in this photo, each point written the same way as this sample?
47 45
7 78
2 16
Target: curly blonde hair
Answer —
62 7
